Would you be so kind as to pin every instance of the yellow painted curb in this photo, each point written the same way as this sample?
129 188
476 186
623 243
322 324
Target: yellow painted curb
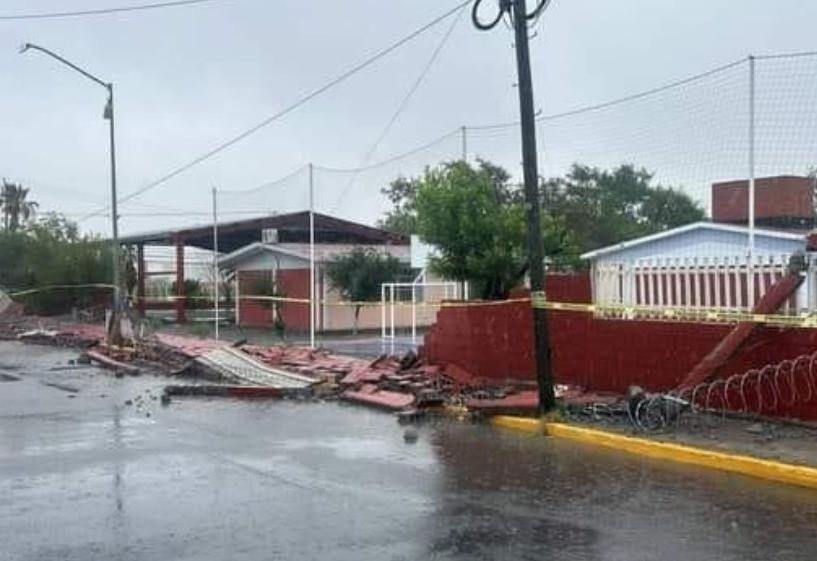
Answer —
734 463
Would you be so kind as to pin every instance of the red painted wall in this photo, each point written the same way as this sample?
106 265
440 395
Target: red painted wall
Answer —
496 342
291 283
294 283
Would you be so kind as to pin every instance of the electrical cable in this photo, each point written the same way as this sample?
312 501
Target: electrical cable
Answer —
267 185
617 101
393 159
103 11
542 118
504 7
401 107
290 108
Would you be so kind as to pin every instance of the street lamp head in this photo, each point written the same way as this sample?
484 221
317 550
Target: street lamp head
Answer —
107 114
24 47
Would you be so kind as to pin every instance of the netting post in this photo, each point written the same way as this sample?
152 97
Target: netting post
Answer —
464 139
751 194
311 258
237 298
383 311
215 262
392 311
414 313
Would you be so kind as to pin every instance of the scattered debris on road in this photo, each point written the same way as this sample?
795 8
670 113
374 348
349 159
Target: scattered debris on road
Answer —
407 384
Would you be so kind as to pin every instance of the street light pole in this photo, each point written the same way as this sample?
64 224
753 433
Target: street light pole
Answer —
518 13
117 290
115 333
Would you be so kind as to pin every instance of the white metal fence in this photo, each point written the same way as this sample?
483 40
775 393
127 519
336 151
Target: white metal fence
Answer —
699 282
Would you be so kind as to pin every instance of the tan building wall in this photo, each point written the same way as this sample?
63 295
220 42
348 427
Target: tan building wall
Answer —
338 316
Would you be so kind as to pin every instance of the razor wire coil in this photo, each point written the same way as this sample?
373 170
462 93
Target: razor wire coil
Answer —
773 389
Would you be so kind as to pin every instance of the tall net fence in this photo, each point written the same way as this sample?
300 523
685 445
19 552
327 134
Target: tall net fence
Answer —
687 134
786 114
355 193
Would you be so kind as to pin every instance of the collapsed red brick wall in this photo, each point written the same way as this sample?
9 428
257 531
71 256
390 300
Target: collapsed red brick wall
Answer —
496 342
291 283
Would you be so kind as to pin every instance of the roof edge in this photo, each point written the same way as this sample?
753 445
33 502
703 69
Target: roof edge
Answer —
717 226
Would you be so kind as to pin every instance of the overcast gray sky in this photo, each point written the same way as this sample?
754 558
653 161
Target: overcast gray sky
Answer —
188 78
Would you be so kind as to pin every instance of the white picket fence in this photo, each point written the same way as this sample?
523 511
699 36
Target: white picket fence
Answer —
698 282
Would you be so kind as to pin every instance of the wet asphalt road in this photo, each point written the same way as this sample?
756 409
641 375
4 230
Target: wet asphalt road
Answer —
85 477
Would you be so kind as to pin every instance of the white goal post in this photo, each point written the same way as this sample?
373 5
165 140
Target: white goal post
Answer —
397 299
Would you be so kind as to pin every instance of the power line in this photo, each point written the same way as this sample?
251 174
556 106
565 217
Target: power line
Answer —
102 11
266 185
403 104
486 128
392 159
620 100
315 93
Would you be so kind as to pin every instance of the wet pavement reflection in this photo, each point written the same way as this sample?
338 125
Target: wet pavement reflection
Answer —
83 475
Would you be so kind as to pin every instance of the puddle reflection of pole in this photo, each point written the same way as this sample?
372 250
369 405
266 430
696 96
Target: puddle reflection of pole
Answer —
119 510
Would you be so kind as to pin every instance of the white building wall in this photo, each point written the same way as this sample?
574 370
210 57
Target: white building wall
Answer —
702 267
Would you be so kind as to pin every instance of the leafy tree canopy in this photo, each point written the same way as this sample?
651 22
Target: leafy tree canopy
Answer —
476 217
402 192
359 274
477 222
15 206
50 252
604 207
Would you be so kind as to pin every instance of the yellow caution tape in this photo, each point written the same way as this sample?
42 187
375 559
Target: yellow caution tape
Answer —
57 287
723 315
537 300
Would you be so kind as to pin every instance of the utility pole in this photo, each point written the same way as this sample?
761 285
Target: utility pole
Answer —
115 332
517 11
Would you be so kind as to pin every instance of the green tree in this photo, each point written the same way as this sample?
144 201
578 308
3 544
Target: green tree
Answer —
359 274
402 192
51 252
604 207
402 219
477 222
17 209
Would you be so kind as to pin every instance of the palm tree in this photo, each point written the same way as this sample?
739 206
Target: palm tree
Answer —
16 209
